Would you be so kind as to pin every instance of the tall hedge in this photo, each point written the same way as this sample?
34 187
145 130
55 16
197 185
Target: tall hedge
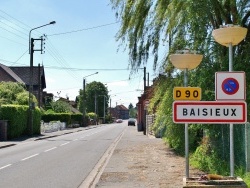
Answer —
17 117
63 117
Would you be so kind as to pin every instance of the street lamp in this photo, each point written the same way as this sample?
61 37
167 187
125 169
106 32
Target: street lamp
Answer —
229 36
31 51
186 60
84 98
110 106
104 101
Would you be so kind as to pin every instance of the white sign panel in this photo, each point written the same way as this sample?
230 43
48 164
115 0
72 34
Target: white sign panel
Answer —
230 86
206 112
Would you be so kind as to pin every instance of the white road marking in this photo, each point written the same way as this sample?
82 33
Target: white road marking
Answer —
5 166
50 149
30 157
75 140
65 144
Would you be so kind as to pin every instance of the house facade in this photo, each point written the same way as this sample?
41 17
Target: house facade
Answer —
22 75
120 112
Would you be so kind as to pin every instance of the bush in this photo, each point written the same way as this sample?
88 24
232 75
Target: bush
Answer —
77 118
18 116
63 117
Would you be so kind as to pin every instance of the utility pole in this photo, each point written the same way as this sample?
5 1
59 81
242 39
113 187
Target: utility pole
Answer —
144 78
104 101
84 103
31 103
95 110
148 78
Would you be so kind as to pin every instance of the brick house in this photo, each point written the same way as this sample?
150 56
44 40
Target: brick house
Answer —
120 112
22 75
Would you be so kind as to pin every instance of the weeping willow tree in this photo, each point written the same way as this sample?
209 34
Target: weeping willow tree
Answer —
150 27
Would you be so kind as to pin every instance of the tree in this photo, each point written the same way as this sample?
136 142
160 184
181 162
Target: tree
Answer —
60 106
170 25
130 106
148 25
14 93
96 96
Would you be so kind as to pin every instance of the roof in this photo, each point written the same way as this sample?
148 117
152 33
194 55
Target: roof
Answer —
121 107
24 74
12 74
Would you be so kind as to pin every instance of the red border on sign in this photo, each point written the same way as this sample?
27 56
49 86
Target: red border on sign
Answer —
209 120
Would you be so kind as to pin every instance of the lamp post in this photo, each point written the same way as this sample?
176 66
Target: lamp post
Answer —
84 99
104 113
186 60
31 51
229 36
110 106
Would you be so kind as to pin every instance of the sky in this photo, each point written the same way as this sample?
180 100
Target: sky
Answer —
81 43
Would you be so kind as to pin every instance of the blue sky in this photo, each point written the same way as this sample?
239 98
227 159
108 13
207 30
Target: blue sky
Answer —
91 49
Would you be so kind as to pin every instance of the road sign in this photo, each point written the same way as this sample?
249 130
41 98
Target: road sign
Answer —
187 93
230 86
207 112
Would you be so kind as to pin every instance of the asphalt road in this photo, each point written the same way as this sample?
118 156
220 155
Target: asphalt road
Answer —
63 161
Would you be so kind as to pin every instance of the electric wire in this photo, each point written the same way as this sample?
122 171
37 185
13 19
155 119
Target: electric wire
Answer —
84 29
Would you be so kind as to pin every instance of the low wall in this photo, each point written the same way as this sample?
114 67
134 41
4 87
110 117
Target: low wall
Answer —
52 126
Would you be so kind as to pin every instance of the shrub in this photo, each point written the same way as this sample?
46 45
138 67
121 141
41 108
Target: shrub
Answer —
63 117
18 116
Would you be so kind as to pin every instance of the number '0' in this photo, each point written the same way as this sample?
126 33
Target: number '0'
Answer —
195 93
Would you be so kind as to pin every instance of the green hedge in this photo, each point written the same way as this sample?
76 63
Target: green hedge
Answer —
63 117
76 118
17 117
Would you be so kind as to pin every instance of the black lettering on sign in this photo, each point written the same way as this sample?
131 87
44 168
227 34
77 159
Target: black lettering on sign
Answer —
178 93
195 94
187 92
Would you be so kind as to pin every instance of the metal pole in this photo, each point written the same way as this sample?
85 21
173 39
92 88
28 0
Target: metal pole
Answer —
231 125
186 130
83 104
103 108
110 110
95 111
144 78
31 88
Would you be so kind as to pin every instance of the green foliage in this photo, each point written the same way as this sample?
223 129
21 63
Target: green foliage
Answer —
77 118
92 115
183 25
246 177
14 93
17 117
62 117
60 107
22 98
94 90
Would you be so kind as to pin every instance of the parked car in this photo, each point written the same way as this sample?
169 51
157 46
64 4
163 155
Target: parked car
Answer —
131 121
118 121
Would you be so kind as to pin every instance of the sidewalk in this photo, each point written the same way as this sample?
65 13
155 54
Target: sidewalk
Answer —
142 161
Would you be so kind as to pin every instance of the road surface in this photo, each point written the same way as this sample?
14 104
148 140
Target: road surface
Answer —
63 161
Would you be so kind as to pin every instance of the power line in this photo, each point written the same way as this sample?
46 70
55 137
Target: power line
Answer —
83 69
85 29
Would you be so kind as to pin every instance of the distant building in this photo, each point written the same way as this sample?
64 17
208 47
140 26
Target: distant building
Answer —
120 112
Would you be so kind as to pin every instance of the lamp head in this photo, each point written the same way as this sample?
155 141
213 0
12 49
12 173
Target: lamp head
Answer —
53 22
